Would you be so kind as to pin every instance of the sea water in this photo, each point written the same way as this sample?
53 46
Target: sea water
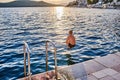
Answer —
96 32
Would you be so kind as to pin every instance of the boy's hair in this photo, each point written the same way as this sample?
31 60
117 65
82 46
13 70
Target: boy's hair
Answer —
71 31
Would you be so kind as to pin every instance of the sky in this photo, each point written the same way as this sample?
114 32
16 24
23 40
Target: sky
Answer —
50 1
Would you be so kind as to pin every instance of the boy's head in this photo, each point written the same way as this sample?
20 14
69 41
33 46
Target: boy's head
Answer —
71 32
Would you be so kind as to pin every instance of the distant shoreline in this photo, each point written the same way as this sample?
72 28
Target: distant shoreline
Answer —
28 4
118 8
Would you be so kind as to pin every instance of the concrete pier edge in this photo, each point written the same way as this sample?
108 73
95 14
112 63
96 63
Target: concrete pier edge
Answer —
101 68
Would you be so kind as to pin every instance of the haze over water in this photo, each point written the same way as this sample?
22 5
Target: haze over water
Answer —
96 31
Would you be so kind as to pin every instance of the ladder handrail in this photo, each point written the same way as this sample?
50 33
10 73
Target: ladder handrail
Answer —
27 51
51 43
55 58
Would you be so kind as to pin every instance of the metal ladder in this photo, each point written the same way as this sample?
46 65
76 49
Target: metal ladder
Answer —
27 51
55 58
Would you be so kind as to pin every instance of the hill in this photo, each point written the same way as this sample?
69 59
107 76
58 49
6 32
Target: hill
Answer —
27 4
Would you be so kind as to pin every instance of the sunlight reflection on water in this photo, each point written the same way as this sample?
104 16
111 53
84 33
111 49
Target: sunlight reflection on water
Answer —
59 11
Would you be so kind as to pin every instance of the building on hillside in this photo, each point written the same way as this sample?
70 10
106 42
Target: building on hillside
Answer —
82 3
100 3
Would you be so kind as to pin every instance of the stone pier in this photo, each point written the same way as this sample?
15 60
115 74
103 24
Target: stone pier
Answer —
102 68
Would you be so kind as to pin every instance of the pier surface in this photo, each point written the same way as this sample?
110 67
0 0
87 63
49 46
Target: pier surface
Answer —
101 68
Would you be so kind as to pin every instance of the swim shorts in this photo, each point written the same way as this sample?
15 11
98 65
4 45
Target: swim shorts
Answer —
70 45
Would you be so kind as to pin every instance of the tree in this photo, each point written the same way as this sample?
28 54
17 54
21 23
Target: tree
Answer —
110 1
89 1
92 1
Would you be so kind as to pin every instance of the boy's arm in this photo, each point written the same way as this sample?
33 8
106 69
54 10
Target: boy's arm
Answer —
67 40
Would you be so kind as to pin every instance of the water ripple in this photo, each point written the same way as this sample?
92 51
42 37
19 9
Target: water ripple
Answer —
97 34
